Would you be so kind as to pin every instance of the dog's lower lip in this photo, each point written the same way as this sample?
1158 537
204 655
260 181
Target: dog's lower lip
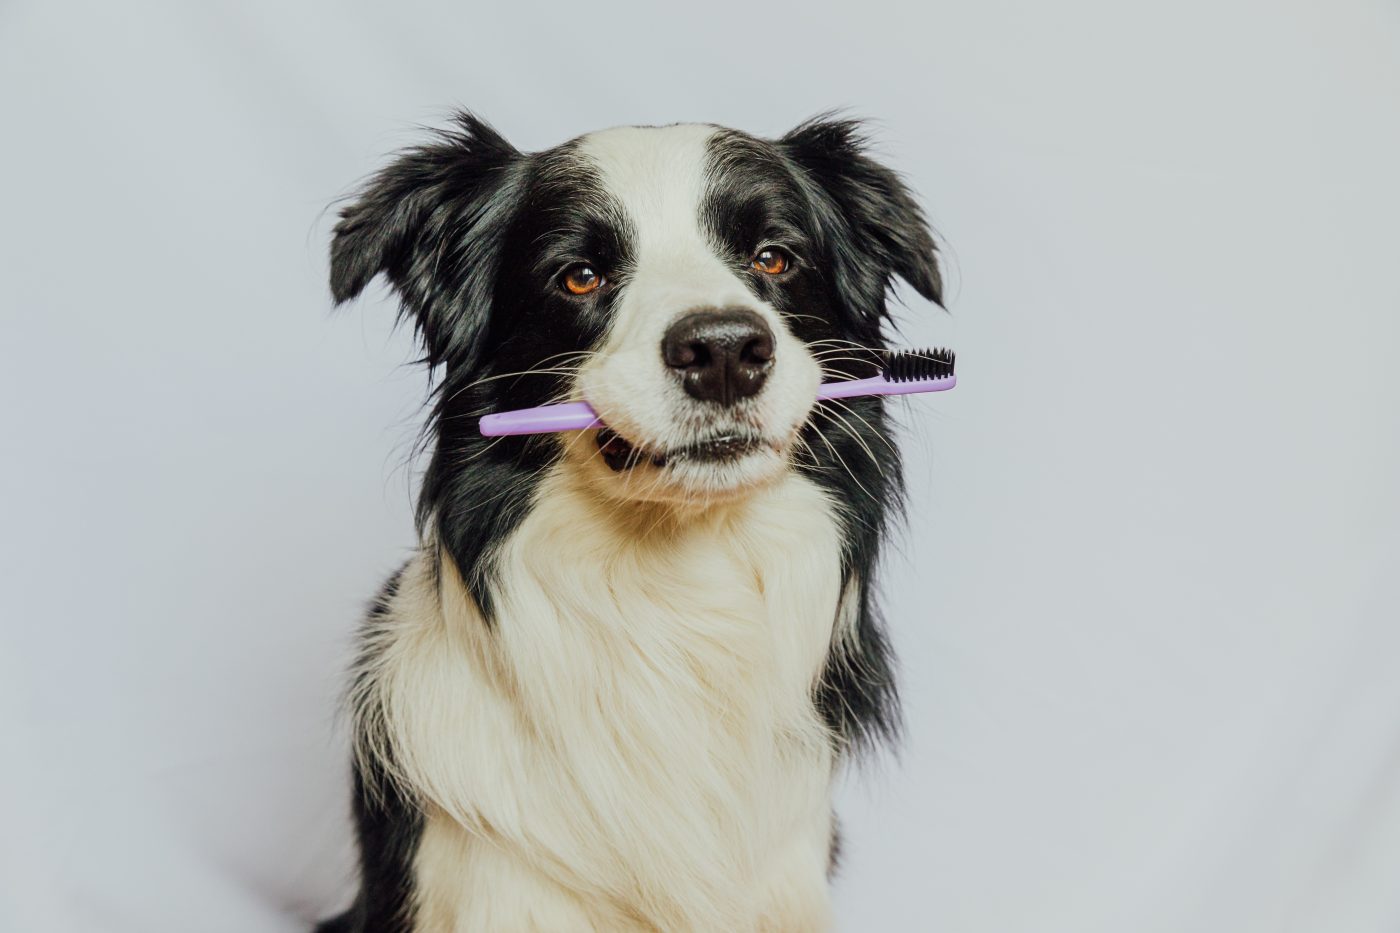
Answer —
621 454
720 448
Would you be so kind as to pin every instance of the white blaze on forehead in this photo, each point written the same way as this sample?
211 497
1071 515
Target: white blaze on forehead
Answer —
657 176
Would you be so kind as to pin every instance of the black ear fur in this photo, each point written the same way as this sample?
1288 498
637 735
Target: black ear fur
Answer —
874 227
431 222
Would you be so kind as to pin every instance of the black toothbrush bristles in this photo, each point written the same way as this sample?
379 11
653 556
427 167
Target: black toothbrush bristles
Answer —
911 365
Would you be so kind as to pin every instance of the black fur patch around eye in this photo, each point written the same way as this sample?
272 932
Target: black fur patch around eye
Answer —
477 490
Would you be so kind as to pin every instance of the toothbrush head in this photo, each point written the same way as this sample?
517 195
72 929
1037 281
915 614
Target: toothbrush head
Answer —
917 365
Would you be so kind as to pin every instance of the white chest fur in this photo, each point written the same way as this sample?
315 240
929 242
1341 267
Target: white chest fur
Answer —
633 743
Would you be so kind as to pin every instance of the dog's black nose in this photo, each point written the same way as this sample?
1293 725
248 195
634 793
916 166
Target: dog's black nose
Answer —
720 355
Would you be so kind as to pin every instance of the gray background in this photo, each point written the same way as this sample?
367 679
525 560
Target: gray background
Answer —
1147 603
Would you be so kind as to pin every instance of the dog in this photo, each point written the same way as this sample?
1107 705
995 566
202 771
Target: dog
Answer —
610 689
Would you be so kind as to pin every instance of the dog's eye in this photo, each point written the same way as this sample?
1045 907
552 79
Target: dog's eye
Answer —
771 261
581 279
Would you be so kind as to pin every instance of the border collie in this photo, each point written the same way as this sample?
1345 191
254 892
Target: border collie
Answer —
610 689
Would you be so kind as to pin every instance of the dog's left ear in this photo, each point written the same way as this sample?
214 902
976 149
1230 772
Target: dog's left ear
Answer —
431 222
874 228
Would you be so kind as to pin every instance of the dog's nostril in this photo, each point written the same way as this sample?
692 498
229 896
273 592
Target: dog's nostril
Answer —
696 354
720 355
759 349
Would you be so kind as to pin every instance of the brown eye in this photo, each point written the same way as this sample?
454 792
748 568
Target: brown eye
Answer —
771 261
581 279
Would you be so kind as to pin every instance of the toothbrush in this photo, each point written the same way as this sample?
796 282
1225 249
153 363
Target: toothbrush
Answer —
905 372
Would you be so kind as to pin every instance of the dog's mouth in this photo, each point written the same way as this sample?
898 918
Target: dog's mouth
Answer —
621 454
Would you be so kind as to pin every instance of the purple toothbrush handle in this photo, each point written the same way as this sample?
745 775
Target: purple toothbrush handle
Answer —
570 416
578 416
879 385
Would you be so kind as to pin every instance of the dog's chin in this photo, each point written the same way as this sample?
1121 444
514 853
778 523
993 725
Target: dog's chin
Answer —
712 466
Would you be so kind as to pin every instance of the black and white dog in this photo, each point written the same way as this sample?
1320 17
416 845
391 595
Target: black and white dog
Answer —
610 690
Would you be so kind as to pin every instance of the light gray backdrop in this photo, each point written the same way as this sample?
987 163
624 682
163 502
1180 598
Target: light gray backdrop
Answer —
1147 605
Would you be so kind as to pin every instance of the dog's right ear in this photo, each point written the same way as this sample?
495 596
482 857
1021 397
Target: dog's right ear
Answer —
432 222
875 228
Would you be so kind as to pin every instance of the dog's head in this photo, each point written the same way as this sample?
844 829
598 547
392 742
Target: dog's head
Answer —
694 284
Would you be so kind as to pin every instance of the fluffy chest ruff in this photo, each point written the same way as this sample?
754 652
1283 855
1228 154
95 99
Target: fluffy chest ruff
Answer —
633 742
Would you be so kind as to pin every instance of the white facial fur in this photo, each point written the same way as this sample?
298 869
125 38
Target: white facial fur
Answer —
657 175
